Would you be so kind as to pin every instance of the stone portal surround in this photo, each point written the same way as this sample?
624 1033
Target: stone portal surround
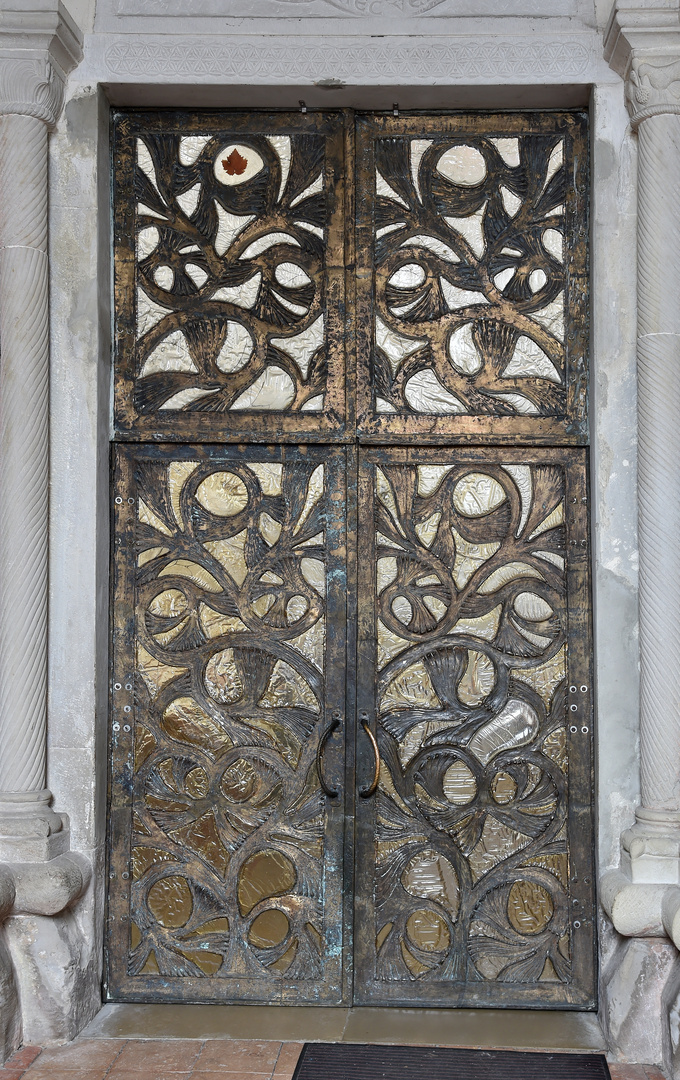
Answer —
39 876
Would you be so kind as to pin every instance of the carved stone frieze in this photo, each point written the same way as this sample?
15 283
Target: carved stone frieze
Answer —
457 60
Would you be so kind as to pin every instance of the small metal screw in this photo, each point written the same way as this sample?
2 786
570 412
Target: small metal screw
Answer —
576 924
573 729
125 874
584 689
116 727
573 708
584 543
128 686
126 727
116 686
575 902
131 500
128 708
112 874
118 500
585 730
572 689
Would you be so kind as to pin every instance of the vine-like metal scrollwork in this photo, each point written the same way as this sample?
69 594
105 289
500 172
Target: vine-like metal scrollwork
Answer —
471 849
224 301
475 258
228 814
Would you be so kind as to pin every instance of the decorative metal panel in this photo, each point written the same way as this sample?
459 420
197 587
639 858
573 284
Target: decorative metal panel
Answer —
475 856
229 275
471 306
228 666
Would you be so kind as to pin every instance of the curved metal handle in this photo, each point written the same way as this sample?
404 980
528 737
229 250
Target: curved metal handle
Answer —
333 726
366 792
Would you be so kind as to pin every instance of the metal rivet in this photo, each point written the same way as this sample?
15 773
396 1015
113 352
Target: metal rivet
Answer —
584 543
572 689
576 924
126 727
125 874
112 874
116 686
118 500
573 708
116 727
573 729
128 686
584 689
128 708
585 730
131 500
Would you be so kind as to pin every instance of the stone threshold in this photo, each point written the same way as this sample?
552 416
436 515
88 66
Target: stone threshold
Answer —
512 1029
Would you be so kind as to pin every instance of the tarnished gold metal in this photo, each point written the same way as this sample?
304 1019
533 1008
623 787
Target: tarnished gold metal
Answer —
228 651
371 788
331 793
474 862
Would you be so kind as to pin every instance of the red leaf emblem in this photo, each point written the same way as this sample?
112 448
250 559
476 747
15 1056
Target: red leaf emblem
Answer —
235 164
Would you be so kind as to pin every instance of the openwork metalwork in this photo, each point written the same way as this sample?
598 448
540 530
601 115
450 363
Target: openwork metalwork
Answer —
229 274
351 684
229 583
474 603
471 244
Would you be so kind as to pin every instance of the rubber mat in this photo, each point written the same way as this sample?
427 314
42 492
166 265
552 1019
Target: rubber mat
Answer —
351 1061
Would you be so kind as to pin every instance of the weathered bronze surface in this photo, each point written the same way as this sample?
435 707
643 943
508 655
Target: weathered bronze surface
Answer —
228 663
229 275
296 626
472 277
475 860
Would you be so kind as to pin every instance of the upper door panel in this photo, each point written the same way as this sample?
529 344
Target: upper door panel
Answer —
229 276
472 287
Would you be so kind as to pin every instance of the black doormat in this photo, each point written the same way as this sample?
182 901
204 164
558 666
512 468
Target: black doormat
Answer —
348 1061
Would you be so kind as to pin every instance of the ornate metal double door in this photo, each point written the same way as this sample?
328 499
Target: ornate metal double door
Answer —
351 675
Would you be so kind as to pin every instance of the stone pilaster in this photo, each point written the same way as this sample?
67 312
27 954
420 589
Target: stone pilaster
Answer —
642 897
39 877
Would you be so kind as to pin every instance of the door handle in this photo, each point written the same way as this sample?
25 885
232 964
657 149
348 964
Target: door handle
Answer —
366 792
333 726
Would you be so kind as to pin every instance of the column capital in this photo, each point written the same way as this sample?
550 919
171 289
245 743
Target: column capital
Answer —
642 44
39 45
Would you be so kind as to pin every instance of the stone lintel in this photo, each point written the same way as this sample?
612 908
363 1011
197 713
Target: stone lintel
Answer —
39 45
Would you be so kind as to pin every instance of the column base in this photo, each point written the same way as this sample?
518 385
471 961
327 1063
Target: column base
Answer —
10 1016
58 994
30 830
639 1003
642 898
650 850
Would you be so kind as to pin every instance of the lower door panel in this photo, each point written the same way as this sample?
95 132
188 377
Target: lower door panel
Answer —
226 857
474 881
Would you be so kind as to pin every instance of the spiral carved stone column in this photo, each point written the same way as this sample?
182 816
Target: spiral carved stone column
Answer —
641 983
39 877
659 467
24 449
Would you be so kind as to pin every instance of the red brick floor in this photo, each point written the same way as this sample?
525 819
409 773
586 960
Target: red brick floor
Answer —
185 1059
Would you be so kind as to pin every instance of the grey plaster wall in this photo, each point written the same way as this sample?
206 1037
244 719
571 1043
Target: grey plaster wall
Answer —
80 380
